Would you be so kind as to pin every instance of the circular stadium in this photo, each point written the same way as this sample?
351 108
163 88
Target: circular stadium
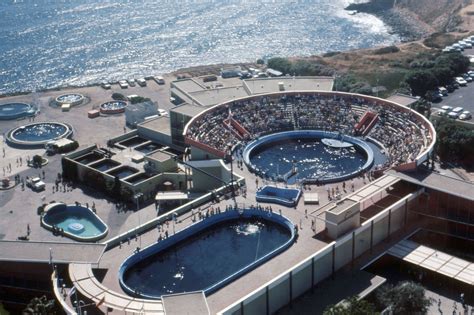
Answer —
73 99
312 137
36 135
12 111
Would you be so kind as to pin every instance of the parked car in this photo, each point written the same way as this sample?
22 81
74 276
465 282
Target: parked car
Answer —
458 110
123 84
446 108
105 85
461 81
141 82
131 82
453 115
35 183
467 77
443 91
465 115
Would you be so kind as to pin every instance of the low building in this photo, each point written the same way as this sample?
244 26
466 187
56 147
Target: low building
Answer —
137 113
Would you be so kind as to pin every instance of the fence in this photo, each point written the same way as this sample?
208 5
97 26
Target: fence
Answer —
292 283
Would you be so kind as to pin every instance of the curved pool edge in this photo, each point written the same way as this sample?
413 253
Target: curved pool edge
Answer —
32 111
12 141
198 227
49 227
313 134
277 200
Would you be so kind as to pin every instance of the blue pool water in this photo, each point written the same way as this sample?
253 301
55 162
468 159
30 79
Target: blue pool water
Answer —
15 110
79 221
45 44
284 196
205 258
39 132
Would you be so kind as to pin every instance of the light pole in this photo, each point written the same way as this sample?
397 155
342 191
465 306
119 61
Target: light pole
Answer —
137 197
231 172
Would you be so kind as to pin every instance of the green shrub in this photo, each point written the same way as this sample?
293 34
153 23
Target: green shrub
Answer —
386 50
119 97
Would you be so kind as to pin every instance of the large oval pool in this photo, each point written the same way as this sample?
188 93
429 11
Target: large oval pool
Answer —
207 255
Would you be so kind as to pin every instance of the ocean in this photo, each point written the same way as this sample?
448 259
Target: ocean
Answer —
52 43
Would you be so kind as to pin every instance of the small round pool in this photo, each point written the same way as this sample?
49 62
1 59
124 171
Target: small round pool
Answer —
72 98
77 222
207 255
16 110
113 107
308 156
37 134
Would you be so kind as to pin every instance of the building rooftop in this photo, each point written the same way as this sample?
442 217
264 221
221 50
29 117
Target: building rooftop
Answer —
446 184
188 110
44 252
160 156
188 85
218 95
269 85
402 99
160 124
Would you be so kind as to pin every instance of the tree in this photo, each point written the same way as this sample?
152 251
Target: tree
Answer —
119 97
405 298
280 64
37 160
444 75
421 81
458 63
351 306
260 61
40 306
454 142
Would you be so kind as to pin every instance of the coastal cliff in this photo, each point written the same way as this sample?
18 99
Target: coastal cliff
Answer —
414 19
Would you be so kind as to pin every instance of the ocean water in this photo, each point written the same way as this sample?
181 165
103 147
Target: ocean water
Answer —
50 43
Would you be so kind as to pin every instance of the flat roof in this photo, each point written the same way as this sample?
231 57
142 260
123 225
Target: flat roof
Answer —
218 95
188 110
434 260
188 85
270 85
186 303
39 252
443 183
160 156
402 99
160 124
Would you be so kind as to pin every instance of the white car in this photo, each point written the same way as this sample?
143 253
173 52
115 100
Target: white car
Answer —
465 115
458 110
461 81
453 115
131 82
446 108
123 84
35 184
141 82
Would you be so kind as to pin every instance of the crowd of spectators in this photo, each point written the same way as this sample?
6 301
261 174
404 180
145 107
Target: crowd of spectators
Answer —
400 132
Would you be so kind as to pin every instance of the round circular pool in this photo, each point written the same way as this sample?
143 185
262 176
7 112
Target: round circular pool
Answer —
113 107
16 110
308 156
38 134
72 98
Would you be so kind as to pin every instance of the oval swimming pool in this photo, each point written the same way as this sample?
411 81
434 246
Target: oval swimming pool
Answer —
77 222
207 255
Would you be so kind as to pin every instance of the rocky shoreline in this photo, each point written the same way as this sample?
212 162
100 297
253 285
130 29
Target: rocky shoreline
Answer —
400 21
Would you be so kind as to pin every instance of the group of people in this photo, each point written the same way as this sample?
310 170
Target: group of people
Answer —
399 131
